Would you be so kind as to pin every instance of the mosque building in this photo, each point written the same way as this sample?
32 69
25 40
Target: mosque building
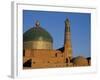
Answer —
38 49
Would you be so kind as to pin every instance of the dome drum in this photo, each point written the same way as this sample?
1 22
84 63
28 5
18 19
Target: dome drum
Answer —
38 45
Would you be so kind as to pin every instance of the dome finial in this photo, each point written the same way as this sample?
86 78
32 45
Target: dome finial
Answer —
37 23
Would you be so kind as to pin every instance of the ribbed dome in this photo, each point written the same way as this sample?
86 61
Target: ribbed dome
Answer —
80 61
37 33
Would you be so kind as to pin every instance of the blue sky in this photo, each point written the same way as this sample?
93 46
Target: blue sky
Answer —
53 22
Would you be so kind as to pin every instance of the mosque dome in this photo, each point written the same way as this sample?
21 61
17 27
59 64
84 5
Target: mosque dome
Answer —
37 38
37 33
80 61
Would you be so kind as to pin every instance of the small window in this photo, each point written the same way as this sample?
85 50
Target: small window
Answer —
66 60
33 62
56 55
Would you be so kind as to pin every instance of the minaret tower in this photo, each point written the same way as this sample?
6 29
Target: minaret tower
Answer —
67 42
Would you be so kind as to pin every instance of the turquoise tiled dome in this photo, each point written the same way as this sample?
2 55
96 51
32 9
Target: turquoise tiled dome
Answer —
37 33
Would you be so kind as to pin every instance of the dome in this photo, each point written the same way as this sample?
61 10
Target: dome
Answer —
80 61
37 33
37 38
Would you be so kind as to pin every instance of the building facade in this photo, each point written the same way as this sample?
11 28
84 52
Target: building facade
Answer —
38 49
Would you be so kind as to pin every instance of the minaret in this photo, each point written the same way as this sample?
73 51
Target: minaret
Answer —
67 42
